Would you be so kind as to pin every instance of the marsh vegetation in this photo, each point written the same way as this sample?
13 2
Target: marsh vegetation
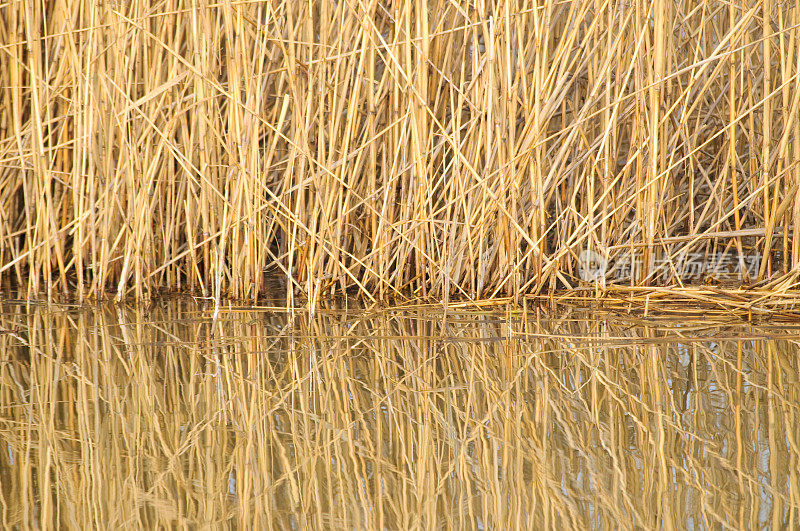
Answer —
445 149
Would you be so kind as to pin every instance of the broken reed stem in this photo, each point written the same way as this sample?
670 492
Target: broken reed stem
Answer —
449 151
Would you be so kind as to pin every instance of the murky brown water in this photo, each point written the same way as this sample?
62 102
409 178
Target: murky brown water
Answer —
118 417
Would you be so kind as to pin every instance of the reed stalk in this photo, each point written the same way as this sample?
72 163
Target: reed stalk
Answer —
384 148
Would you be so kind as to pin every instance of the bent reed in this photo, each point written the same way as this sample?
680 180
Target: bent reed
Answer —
458 150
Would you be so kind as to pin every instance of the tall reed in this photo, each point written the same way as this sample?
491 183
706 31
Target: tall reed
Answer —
439 150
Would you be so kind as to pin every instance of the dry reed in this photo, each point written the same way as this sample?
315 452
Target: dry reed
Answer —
442 150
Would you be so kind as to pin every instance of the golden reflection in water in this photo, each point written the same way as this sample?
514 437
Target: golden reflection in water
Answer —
117 417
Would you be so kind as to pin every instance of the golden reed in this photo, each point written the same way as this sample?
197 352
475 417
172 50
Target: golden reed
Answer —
450 150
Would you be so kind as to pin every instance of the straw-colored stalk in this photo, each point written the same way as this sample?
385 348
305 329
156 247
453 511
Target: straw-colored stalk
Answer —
444 150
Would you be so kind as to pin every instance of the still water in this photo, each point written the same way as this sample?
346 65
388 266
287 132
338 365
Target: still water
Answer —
132 417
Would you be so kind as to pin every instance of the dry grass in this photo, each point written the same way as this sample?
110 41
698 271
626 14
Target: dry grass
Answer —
395 420
463 150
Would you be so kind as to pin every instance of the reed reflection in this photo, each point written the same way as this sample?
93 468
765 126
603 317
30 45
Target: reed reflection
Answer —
123 416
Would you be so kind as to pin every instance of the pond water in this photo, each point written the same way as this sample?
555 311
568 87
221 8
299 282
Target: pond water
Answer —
123 416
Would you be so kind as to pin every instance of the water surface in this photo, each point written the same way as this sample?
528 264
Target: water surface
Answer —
138 417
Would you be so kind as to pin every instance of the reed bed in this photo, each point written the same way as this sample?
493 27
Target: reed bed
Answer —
512 419
437 149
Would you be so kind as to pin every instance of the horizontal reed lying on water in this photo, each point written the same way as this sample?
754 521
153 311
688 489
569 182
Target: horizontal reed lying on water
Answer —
464 150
